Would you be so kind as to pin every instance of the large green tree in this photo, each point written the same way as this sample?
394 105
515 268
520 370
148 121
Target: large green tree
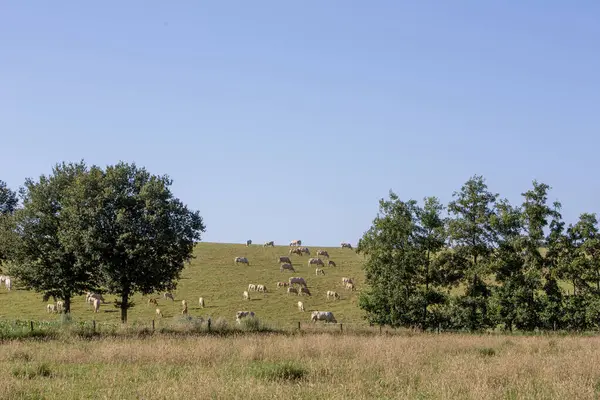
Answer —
41 260
130 224
8 204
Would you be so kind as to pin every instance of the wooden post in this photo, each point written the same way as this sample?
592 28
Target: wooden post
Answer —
298 326
341 327
94 325
380 329
208 324
31 325
152 325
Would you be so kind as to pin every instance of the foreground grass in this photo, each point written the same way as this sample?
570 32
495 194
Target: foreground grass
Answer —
309 366
213 275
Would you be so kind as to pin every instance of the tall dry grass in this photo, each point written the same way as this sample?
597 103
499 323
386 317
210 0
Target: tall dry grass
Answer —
312 366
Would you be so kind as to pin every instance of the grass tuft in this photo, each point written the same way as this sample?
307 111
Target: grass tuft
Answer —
277 371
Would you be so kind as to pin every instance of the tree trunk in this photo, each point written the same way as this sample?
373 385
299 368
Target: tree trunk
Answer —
124 306
67 304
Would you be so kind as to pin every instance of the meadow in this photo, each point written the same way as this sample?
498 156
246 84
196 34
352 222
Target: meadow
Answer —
213 275
310 366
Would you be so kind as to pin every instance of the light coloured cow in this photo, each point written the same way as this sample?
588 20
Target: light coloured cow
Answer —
323 253
271 243
347 280
295 251
261 288
350 286
296 242
96 304
285 259
326 316
2 278
8 283
315 261
346 245
282 284
51 308
184 307
286 267
243 314
331 263
305 250
158 312
301 306
297 280
201 302
89 298
246 295
331 293
252 287
292 289
60 306
248 243
169 295
241 260
319 271
304 290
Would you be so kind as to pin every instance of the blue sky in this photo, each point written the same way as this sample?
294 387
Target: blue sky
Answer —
281 120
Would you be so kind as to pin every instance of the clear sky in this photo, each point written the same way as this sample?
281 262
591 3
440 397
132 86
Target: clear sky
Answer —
284 120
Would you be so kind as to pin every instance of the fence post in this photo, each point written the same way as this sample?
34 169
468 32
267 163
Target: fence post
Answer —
298 326
94 325
380 329
208 324
341 327
152 325
31 325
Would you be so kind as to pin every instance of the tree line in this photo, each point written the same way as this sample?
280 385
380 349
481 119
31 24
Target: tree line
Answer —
481 263
117 230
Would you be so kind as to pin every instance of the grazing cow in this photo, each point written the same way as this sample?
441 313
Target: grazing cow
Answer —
243 314
242 260
347 280
331 263
153 301
285 259
315 261
296 243
60 306
323 253
292 289
331 293
297 280
319 271
286 266
271 243
8 283
304 290
2 278
296 251
169 295
158 312
248 243
201 302
346 245
89 298
51 308
252 287
261 288
246 295
326 316
96 303
301 306
350 286
305 250
184 307
282 284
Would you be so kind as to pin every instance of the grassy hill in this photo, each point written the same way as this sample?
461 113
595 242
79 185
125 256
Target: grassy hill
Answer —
214 276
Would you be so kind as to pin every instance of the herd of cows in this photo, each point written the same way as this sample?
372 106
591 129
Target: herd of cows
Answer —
295 285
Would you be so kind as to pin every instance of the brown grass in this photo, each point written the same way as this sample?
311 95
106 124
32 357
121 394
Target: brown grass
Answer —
326 366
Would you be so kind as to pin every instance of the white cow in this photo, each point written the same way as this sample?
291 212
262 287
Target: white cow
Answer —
322 253
297 280
331 293
261 288
246 295
184 307
347 280
60 305
248 243
296 242
326 316
2 278
282 284
315 261
271 243
292 290
305 250
286 266
350 286
201 302
158 312
252 287
295 251
8 283
89 297
51 308
242 260
346 245
169 295
96 303
243 314
319 271
301 306
285 259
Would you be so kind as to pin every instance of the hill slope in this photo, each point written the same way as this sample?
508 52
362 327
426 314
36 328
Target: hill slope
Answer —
214 276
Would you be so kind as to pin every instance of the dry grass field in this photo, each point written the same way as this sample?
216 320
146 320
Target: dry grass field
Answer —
214 276
311 366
